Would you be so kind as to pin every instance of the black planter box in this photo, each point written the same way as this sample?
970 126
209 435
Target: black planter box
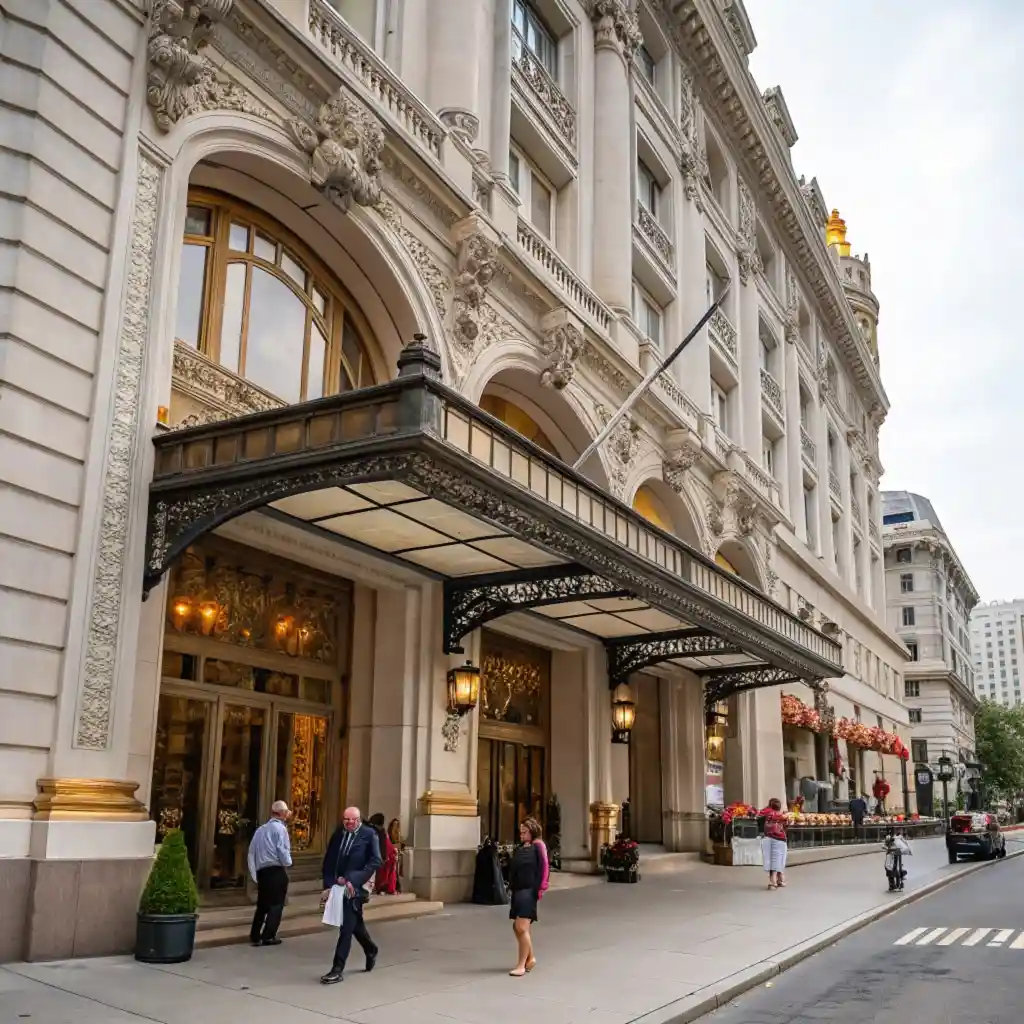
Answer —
622 874
165 938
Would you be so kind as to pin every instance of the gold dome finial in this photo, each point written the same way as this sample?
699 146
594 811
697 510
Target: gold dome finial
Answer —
835 233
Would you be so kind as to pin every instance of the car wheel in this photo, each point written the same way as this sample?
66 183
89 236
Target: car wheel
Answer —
952 856
1001 853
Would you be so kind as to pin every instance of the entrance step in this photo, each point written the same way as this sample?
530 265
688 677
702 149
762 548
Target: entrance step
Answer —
225 926
656 860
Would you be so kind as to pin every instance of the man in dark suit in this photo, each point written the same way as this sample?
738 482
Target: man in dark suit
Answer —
352 859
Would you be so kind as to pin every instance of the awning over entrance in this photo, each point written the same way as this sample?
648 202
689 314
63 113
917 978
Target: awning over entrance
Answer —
412 470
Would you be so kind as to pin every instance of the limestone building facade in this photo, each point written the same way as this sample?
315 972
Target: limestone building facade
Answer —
308 308
930 601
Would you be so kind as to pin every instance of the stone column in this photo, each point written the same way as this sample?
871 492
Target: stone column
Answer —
456 33
683 765
603 811
820 432
865 540
499 130
693 367
616 37
846 569
794 453
748 328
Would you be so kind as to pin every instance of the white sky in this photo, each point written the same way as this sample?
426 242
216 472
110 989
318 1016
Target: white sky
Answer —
911 116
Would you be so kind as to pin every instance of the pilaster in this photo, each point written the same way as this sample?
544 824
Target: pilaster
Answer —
794 457
683 767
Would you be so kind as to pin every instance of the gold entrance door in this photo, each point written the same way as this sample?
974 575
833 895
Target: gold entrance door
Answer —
237 803
300 778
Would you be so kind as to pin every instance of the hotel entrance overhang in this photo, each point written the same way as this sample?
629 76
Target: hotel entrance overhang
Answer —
412 471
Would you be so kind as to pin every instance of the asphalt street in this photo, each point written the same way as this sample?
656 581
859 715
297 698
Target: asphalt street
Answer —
955 957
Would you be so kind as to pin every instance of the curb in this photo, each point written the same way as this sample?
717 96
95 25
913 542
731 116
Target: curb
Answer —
714 996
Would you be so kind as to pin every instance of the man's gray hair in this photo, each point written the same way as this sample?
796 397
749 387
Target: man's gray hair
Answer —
278 806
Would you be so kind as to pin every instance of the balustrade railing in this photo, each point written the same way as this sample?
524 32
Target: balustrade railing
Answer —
808 449
834 486
772 393
551 100
649 227
723 334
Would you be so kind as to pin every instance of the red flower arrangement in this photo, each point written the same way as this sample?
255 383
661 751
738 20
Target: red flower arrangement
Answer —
868 737
738 811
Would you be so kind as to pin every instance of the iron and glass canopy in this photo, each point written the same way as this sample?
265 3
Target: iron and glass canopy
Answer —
412 470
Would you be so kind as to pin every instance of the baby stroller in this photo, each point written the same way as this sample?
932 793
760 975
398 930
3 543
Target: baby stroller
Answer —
896 848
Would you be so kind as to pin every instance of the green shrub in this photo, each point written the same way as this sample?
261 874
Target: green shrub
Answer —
171 889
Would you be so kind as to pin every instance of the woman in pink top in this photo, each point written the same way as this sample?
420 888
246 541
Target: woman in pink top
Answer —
528 879
773 845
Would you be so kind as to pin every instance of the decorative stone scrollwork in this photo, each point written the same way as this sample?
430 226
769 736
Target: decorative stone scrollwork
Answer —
792 325
771 577
562 345
731 503
749 258
451 731
714 514
477 265
616 26
679 460
181 80
344 144
693 160
463 123
622 446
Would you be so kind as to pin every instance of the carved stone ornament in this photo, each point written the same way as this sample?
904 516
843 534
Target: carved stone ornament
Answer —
616 26
730 502
477 264
181 80
792 325
562 344
451 730
678 461
223 393
344 144
463 123
749 258
771 577
693 160
622 446
714 513
108 587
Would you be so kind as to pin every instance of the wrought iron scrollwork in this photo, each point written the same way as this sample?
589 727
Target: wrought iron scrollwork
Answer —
630 654
471 602
721 684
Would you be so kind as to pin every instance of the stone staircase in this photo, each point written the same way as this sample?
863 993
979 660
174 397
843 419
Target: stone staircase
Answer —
226 925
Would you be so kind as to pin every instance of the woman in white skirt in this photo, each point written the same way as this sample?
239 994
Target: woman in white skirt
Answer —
773 845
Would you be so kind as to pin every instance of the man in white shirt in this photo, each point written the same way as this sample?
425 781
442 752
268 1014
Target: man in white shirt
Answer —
270 855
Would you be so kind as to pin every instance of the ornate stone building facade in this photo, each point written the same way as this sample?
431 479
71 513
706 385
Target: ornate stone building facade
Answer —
308 310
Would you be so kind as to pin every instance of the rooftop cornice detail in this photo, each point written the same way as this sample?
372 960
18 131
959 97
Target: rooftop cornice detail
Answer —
699 32
735 14
778 111
815 199
935 541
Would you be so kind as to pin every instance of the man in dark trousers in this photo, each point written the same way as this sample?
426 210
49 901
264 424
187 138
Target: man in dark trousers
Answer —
858 811
270 856
352 859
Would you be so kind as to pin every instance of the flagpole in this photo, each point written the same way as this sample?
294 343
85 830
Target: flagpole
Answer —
639 390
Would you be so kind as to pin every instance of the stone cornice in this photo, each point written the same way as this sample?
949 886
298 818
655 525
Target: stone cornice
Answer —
701 32
778 111
932 539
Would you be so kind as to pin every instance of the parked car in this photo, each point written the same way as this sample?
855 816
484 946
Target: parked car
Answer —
974 833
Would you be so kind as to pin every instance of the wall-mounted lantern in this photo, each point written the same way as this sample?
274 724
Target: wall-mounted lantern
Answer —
623 715
463 696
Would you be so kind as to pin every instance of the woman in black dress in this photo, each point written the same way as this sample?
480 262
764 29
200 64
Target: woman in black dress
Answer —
528 880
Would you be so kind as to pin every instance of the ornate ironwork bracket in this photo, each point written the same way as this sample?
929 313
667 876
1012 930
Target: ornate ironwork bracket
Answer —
476 600
630 654
721 683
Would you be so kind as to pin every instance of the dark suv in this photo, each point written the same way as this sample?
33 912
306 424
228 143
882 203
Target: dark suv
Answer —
976 834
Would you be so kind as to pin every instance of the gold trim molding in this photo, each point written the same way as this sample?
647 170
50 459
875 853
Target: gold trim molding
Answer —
87 800
452 805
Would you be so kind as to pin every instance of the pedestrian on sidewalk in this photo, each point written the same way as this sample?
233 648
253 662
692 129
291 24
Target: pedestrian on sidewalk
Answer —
270 856
528 879
352 859
774 846
386 881
858 811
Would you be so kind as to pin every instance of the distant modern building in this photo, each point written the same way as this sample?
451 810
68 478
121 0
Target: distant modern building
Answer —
929 598
996 640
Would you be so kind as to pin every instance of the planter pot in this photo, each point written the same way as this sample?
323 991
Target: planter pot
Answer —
623 874
164 938
722 855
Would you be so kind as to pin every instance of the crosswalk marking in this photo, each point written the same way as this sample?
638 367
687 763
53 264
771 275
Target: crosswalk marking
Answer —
978 935
956 933
928 939
910 936
994 938
1001 937
1018 943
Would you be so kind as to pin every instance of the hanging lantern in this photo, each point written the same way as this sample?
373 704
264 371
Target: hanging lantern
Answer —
623 717
181 612
463 689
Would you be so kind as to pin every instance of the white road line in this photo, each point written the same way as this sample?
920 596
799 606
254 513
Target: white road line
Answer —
1001 937
930 937
910 936
1018 943
978 935
953 936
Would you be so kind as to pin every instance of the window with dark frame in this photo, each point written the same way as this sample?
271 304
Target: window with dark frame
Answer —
529 31
909 618
906 582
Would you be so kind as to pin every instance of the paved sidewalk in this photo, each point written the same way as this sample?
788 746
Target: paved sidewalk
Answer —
606 955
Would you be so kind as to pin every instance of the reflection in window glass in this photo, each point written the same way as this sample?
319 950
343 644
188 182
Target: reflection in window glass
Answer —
197 221
234 303
277 326
294 269
317 355
265 248
540 206
239 240
301 777
352 351
191 289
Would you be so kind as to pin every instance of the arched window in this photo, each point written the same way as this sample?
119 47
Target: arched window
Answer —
647 503
253 299
512 416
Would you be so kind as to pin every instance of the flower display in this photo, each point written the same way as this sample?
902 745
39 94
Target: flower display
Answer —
738 811
868 737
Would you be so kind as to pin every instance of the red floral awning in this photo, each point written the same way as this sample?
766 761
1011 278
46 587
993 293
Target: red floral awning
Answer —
869 737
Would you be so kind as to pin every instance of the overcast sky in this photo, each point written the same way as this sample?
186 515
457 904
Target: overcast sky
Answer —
911 116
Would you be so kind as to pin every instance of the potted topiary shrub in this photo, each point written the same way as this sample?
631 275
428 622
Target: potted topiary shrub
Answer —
166 929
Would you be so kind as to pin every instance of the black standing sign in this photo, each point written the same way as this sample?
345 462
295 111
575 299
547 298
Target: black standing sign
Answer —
923 780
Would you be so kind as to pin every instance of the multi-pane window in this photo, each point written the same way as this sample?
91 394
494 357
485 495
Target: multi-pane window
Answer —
912 648
251 298
536 194
530 32
919 751
909 618
904 555
646 315
906 582
768 455
648 190
911 688
915 715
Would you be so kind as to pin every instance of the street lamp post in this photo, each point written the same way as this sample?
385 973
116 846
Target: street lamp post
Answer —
945 775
